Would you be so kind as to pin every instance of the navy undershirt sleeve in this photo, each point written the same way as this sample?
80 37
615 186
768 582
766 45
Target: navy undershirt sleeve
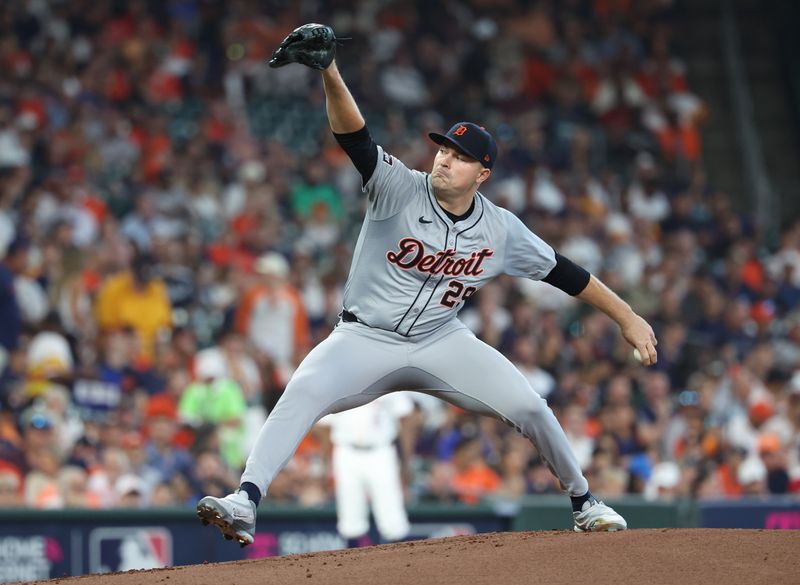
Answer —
568 276
361 149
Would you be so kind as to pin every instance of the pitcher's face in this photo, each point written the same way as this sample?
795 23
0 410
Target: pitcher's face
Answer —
456 172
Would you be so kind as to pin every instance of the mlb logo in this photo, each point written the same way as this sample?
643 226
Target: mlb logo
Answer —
123 549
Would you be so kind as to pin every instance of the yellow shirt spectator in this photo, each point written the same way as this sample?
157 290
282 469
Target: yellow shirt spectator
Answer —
126 300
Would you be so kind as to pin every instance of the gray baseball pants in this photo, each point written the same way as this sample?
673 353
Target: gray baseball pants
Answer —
356 364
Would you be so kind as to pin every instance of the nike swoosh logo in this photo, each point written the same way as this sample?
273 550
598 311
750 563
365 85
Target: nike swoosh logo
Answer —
423 220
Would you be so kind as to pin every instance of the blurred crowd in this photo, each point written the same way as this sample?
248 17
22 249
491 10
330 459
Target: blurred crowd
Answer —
176 224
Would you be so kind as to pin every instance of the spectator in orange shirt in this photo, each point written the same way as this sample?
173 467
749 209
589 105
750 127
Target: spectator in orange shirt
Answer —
679 140
272 315
472 478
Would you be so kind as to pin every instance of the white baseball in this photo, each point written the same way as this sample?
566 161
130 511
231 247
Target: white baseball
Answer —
637 355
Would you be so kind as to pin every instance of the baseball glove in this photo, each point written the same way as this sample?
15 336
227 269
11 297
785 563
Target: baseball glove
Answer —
313 45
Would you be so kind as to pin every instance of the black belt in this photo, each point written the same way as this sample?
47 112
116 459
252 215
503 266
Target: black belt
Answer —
348 317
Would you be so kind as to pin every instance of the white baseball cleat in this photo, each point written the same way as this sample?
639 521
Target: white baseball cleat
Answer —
234 515
595 516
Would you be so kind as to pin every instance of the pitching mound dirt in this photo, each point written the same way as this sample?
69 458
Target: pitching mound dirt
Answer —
649 557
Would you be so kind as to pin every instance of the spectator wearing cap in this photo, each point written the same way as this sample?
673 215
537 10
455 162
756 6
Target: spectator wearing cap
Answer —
239 366
743 430
216 399
43 461
66 420
272 316
38 430
752 477
49 355
161 422
135 298
664 481
687 428
773 456
133 443
130 492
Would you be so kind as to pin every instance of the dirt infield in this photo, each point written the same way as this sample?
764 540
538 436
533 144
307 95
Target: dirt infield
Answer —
650 557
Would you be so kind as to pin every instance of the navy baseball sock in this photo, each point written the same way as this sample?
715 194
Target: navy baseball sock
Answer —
579 501
252 491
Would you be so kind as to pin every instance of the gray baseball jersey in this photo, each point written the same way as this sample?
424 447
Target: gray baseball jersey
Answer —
413 268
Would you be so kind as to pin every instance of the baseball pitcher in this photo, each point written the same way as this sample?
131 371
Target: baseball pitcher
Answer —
428 242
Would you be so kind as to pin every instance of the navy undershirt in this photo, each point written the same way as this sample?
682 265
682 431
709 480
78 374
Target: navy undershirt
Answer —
361 149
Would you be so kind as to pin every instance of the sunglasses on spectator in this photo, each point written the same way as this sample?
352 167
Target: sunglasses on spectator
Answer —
40 421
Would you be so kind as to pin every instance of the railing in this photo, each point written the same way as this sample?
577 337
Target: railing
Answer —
755 172
784 21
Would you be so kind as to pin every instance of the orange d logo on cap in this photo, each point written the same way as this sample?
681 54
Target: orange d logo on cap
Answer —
472 140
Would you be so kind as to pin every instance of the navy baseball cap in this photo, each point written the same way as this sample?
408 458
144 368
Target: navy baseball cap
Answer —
474 140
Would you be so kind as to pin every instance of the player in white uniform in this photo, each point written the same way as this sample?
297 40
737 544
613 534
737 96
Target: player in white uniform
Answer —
366 467
428 242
